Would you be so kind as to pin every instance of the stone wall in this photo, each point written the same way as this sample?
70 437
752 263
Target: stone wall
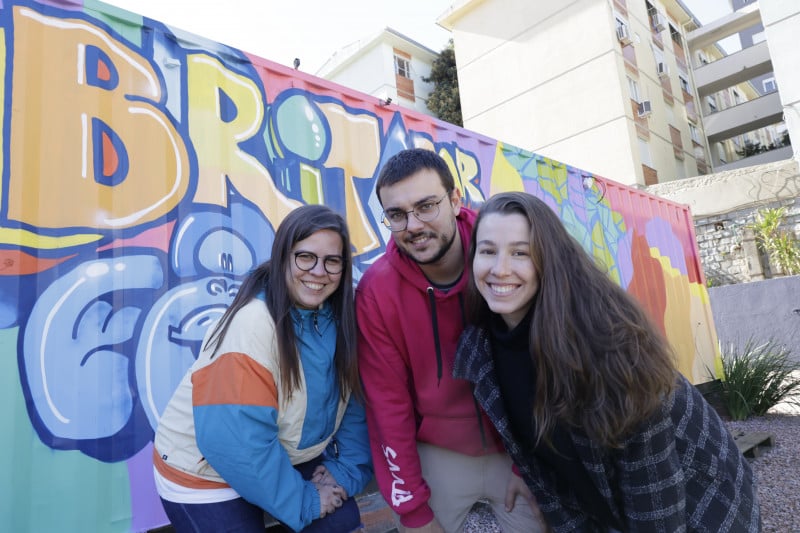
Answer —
724 205
728 251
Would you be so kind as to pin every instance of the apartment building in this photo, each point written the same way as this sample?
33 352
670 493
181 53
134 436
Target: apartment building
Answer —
603 84
739 96
387 65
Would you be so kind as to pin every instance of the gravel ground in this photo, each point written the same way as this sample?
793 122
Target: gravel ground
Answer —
778 469
777 473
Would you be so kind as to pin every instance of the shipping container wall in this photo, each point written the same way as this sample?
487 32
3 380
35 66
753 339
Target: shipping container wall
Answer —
144 171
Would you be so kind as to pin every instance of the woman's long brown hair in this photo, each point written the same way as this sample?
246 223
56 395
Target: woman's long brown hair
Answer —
601 366
270 278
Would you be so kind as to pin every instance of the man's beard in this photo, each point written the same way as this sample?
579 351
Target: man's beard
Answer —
442 252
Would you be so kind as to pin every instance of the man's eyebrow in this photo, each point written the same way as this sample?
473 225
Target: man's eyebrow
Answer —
426 199
418 202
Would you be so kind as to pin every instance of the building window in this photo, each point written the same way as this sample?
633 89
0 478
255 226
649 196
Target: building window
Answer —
633 88
656 18
670 114
644 153
659 57
680 169
675 34
712 104
721 153
769 85
694 133
737 98
684 84
402 67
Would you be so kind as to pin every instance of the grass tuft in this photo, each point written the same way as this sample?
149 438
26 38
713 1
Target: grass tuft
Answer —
757 377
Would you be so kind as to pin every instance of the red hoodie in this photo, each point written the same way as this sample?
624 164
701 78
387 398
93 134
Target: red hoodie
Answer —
408 333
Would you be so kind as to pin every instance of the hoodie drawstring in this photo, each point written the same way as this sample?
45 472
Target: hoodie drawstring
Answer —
435 323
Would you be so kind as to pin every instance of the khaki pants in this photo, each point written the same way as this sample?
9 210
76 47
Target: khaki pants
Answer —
457 481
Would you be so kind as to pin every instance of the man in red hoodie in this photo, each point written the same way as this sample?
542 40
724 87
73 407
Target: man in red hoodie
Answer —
435 452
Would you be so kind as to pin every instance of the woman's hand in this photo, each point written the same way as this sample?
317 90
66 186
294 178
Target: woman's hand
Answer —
517 487
331 498
322 476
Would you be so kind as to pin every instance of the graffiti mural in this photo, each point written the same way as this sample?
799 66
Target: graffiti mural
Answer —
144 171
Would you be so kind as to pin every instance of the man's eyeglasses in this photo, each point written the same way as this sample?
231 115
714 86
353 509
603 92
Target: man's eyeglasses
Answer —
333 264
397 219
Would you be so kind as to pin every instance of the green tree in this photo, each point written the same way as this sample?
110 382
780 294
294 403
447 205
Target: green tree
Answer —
444 101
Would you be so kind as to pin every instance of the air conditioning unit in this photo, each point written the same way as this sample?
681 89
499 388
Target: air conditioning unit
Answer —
663 69
623 35
659 23
644 108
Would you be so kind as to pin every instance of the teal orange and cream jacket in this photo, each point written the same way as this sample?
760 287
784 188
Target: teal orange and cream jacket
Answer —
230 424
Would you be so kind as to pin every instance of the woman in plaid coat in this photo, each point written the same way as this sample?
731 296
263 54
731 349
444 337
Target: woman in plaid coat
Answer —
606 435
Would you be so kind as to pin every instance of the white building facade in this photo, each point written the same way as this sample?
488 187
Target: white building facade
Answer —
389 66
602 84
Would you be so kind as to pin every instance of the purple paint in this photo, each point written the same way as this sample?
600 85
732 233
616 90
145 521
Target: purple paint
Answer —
146 508
74 5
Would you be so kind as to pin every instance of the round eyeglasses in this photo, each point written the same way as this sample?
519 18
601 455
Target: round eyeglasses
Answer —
333 264
397 219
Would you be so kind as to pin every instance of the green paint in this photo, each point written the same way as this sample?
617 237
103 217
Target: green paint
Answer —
301 128
50 490
125 23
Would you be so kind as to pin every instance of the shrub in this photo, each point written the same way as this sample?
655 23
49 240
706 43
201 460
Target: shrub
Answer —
780 245
757 377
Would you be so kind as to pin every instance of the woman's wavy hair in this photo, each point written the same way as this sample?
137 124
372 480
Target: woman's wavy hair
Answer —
270 277
601 366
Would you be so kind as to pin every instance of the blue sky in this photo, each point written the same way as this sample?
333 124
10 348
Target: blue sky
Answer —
314 29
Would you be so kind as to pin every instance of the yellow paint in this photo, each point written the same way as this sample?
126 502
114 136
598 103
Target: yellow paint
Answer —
468 168
665 261
348 131
311 184
424 142
52 176
216 142
705 332
20 237
504 176
464 168
602 254
688 323
553 179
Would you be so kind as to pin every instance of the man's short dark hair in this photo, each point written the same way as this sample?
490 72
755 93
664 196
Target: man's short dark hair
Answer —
407 162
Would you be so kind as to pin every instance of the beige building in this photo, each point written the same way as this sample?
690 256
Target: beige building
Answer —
604 85
387 65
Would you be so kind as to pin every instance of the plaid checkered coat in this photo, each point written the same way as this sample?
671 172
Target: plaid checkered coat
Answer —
680 472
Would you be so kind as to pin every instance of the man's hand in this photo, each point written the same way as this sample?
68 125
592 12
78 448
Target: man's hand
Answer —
517 487
431 527
330 498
